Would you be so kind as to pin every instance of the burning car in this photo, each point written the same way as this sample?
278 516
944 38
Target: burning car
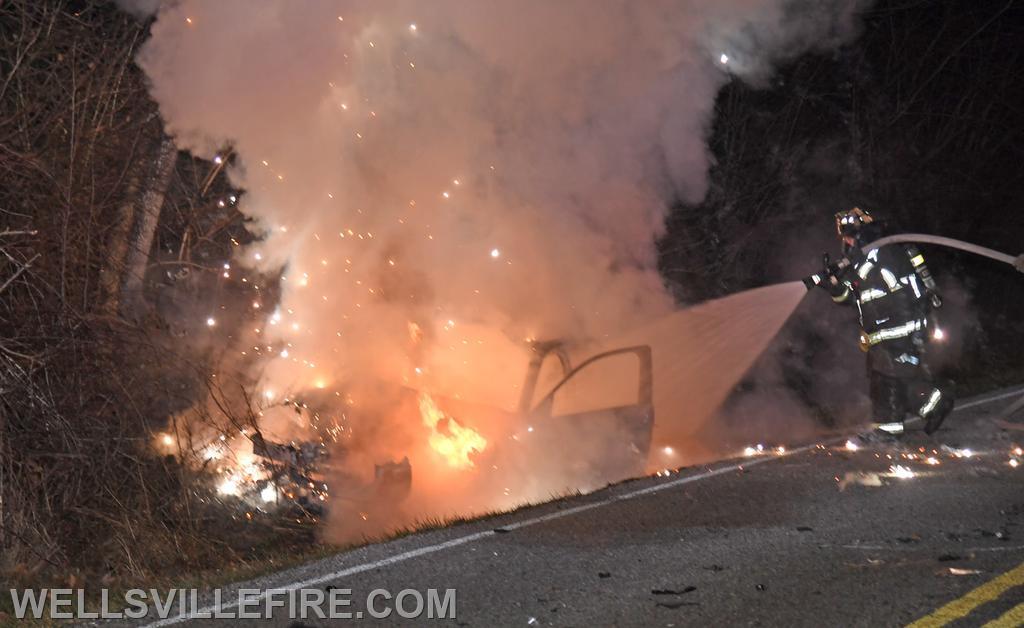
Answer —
576 427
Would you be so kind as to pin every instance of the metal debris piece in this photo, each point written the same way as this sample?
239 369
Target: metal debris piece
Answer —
957 452
859 477
957 571
393 480
685 589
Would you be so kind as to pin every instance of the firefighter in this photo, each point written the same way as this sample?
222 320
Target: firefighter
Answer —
895 296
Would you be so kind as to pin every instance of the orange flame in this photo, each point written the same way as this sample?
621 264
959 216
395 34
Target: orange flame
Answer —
453 441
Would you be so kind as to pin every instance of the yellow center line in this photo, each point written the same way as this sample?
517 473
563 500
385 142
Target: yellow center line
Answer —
1012 618
987 592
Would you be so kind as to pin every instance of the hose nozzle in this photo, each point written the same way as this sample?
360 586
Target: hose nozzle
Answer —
1019 263
811 281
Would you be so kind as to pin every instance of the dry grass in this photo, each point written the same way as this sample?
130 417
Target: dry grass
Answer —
89 371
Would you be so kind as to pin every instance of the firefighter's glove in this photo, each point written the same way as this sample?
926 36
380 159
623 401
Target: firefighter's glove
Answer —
827 282
830 278
836 288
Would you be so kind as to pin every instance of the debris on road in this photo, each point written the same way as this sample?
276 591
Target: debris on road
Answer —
956 452
999 534
864 478
685 589
957 571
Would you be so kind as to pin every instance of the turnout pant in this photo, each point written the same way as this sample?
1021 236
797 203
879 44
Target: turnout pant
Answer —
902 382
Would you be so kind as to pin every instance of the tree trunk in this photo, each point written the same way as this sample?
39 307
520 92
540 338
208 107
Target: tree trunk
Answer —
113 270
151 203
3 486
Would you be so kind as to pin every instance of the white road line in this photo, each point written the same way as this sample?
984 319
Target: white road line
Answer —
469 538
978 402
889 548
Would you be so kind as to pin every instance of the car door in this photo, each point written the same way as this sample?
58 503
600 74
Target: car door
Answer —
601 414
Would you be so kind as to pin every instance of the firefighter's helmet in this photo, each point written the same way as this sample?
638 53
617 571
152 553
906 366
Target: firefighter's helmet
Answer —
849 223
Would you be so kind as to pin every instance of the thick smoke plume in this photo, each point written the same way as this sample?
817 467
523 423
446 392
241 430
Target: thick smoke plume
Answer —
439 182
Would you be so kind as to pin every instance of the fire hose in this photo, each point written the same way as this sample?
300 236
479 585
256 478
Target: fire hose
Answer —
1017 262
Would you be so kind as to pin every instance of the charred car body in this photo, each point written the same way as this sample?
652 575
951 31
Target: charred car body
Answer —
588 425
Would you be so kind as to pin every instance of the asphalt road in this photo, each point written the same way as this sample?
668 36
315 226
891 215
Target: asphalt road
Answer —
818 537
